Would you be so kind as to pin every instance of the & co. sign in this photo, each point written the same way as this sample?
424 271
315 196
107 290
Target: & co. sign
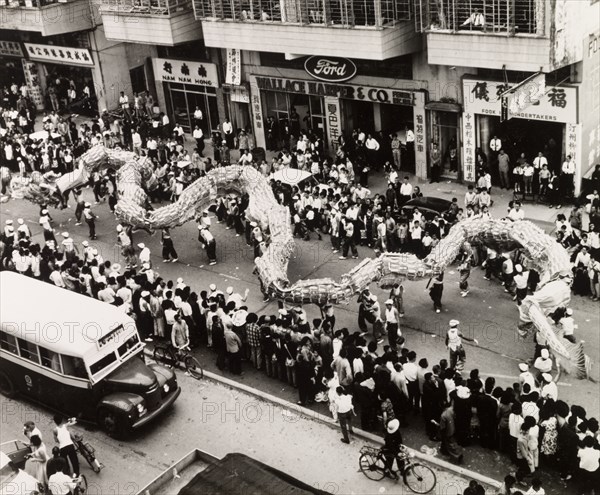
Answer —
330 69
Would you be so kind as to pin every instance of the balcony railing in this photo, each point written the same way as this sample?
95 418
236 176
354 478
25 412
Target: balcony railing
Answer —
342 13
150 7
30 3
510 17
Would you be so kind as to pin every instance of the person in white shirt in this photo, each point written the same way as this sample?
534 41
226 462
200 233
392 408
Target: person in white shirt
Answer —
539 161
198 135
406 191
198 117
144 256
567 176
583 257
516 213
528 172
61 484
549 388
236 298
345 411
136 141
589 459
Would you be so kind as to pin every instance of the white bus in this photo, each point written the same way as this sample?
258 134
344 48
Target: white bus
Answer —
78 356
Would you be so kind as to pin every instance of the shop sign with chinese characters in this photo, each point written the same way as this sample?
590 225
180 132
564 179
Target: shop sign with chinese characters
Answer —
558 104
420 139
332 112
468 139
10 49
30 71
233 74
64 55
180 71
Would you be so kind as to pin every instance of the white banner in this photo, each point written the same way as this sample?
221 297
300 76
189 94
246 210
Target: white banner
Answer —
334 120
233 75
30 71
240 94
529 92
183 71
64 55
468 141
558 104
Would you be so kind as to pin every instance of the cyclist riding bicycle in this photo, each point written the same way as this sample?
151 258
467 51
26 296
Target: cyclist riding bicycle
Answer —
180 335
61 483
392 447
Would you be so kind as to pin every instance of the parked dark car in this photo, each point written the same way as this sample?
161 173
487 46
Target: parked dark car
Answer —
427 205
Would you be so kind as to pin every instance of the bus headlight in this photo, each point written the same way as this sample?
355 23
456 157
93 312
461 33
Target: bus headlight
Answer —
166 388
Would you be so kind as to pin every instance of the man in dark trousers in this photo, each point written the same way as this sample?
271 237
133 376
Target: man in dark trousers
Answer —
432 400
487 408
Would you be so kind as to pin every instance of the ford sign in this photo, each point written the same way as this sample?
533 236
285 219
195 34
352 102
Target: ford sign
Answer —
330 69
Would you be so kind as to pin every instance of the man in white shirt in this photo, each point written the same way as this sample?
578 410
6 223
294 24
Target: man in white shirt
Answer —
372 147
516 213
198 135
567 176
124 102
228 131
136 141
406 191
144 256
549 389
198 117
236 298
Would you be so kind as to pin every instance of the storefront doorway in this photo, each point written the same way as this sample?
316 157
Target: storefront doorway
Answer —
182 100
294 113
525 136
62 77
445 132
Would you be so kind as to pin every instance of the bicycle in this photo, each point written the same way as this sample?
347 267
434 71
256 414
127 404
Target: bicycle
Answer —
166 354
84 449
79 486
418 477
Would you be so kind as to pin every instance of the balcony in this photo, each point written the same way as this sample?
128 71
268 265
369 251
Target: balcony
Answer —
486 33
48 18
371 29
157 22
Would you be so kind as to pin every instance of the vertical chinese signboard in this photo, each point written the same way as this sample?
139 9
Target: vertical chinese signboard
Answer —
333 117
30 71
573 148
257 116
468 139
233 74
420 141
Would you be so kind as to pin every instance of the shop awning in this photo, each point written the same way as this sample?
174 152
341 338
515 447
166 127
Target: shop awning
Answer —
442 106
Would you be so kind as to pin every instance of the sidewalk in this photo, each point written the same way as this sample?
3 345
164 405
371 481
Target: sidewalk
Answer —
484 465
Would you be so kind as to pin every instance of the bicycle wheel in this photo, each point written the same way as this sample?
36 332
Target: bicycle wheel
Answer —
419 478
82 485
192 366
372 467
86 454
164 355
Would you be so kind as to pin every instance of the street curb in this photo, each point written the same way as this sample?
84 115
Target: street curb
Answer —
333 424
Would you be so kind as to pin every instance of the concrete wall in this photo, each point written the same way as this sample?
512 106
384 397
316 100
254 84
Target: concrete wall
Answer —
169 30
373 44
489 51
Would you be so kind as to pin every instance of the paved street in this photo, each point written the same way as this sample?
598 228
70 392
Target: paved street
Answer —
487 314
218 420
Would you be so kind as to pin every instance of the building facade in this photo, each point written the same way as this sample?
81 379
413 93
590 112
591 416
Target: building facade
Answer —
445 70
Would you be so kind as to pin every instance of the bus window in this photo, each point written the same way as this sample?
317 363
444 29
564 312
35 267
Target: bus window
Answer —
73 366
128 345
103 363
50 360
9 343
29 351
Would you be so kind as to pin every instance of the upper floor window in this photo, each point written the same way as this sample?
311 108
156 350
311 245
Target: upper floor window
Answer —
342 13
486 16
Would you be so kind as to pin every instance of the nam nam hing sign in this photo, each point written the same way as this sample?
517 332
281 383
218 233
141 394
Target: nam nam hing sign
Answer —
330 69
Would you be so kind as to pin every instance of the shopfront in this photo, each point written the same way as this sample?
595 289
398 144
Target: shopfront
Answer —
10 55
549 124
444 130
330 109
187 85
60 67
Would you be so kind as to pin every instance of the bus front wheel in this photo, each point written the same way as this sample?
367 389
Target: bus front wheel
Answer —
111 423
7 387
